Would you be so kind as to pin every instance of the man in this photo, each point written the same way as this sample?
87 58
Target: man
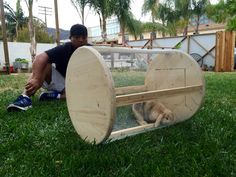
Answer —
48 76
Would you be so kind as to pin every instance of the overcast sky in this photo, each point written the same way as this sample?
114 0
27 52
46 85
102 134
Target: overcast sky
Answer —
68 15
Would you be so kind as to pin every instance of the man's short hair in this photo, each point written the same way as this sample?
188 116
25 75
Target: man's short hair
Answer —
78 30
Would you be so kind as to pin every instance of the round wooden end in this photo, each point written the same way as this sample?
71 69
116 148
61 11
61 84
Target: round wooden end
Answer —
175 69
90 95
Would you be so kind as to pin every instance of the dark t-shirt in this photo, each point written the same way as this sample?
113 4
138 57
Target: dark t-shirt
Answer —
60 55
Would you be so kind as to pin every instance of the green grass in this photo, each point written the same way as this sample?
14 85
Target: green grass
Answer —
42 141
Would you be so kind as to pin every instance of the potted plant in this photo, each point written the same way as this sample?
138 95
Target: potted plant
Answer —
21 63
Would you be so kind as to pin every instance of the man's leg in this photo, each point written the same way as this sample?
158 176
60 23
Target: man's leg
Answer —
46 77
55 86
23 102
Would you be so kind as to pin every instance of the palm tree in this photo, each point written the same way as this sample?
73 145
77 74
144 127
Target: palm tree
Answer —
149 26
163 12
224 11
103 9
174 23
150 6
183 7
199 9
79 5
29 4
136 29
121 9
15 19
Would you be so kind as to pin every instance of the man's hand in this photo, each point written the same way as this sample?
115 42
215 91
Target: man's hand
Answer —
32 86
39 70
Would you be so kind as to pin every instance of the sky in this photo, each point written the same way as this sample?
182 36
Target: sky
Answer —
69 16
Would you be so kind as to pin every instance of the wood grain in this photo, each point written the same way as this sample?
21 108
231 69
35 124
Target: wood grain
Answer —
90 95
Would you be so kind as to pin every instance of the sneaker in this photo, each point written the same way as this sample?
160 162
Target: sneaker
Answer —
22 103
51 95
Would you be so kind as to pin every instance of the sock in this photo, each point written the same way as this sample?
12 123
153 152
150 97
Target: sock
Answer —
58 96
24 95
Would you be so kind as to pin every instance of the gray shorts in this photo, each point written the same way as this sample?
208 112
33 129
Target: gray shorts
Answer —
57 82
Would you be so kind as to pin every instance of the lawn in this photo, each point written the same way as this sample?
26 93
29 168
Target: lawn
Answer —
42 141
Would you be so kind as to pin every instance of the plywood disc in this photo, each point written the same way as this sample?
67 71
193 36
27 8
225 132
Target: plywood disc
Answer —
173 69
90 95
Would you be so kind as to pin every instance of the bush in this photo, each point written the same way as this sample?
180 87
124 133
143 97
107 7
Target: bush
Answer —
21 63
21 60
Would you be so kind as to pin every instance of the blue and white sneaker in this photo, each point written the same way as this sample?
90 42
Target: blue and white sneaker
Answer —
22 103
50 95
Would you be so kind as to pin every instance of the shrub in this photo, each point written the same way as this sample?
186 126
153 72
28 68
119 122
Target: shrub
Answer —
21 60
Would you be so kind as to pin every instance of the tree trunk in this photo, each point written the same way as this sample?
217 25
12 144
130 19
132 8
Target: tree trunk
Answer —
163 31
17 24
104 30
122 30
185 32
100 23
82 15
57 23
4 35
197 25
32 33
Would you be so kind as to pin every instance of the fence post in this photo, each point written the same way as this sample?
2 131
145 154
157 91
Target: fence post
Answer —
188 43
225 41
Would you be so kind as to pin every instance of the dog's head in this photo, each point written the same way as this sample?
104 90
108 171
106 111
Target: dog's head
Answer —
168 117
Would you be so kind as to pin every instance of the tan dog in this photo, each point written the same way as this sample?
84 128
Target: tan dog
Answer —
152 112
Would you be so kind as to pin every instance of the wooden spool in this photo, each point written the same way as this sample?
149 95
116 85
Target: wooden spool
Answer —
173 77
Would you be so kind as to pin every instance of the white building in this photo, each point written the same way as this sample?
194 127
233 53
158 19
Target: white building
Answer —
113 30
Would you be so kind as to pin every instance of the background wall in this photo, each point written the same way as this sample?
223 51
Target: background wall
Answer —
21 50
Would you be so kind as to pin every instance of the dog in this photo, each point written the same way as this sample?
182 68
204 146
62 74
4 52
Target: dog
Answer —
152 112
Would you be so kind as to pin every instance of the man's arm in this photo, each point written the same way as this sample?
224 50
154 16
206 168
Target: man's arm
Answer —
38 74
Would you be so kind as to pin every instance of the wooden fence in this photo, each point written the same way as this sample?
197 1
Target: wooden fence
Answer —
211 51
201 47
225 44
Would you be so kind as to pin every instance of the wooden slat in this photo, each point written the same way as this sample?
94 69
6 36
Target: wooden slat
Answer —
229 57
145 44
222 55
180 42
217 61
130 131
150 95
232 55
219 51
208 52
102 49
225 51
130 89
